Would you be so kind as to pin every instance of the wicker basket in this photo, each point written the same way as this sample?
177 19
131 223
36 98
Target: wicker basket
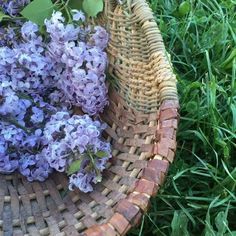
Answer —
142 118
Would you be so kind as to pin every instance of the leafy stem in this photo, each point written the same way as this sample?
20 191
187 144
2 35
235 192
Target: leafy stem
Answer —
68 14
64 5
14 122
24 96
94 165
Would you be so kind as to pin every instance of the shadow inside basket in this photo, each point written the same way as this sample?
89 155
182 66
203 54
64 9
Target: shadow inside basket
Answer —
46 208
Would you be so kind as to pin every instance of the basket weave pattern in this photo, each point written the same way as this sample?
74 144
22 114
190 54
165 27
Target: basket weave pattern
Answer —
142 120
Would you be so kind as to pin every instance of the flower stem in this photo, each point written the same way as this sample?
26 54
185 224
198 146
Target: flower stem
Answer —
12 121
93 163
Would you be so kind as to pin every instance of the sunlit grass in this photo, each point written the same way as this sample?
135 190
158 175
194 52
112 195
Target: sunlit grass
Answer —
199 196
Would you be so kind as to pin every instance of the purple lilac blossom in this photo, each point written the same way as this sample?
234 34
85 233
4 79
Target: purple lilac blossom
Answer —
73 138
8 164
82 181
39 83
7 36
34 167
100 37
83 87
78 15
13 7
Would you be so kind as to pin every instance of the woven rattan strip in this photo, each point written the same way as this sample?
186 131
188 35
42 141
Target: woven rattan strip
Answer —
142 119
138 60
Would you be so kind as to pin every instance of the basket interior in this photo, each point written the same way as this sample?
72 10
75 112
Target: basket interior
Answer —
140 66
48 208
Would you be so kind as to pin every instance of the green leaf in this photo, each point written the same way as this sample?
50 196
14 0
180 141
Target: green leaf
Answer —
179 224
233 110
232 233
92 7
227 64
215 35
101 154
74 167
98 178
192 106
221 223
184 8
75 4
209 231
2 16
38 10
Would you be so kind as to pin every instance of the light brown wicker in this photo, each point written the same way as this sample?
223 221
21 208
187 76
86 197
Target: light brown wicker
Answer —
142 118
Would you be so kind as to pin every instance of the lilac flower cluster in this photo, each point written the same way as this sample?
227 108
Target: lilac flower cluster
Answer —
40 80
70 139
7 36
24 77
83 64
13 7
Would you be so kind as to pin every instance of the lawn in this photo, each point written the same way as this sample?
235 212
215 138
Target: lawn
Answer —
199 196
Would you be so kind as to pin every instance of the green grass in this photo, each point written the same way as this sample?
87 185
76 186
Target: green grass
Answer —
199 196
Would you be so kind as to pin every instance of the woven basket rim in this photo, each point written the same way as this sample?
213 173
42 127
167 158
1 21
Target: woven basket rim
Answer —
129 100
128 211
